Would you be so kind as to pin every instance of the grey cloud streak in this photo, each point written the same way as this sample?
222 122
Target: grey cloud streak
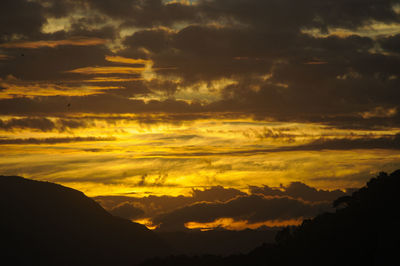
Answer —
389 143
39 141
42 124
298 190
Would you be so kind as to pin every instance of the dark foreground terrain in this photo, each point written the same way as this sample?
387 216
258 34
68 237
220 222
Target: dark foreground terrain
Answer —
216 242
47 224
364 230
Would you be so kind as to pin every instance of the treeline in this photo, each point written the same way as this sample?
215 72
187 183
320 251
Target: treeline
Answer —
364 230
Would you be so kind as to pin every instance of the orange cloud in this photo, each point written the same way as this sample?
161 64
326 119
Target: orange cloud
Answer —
231 224
108 70
26 89
4 57
112 79
53 44
125 60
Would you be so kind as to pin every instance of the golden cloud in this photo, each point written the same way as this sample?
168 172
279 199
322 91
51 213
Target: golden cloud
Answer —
26 89
4 57
231 224
125 60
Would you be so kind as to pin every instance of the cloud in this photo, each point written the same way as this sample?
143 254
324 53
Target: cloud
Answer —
53 44
387 142
228 207
93 104
145 13
38 141
390 142
298 190
283 56
124 60
42 124
127 210
4 57
391 43
107 70
216 193
286 60
15 88
155 205
253 208
20 17
46 64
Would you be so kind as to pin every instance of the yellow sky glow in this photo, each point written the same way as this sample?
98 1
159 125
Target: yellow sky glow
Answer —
178 157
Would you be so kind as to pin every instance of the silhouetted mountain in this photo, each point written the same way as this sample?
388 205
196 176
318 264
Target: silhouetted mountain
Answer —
364 230
216 242
48 224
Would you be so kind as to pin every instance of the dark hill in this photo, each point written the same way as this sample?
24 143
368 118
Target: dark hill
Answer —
364 230
47 224
216 242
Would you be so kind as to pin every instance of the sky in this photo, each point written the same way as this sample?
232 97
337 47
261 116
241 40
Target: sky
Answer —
144 104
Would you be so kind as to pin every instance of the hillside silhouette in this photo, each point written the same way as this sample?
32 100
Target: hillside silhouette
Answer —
364 230
47 224
217 241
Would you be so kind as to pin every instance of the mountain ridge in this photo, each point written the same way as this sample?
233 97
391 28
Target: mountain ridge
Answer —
49 224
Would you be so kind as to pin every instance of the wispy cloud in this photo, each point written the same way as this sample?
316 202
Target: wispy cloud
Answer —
107 70
54 43
53 140
13 87
125 60
5 57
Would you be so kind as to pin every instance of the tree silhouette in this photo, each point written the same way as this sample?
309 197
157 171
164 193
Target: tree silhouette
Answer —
364 230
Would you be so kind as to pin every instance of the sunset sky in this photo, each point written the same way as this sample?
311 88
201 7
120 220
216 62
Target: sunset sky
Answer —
139 98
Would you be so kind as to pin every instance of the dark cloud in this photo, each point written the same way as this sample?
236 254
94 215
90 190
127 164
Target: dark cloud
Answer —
286 13
391 43
93 104
254 208
268 133
52 140
127 210
20 17
390 143
42 124
154 205
299 190
293 14
272 71
67 124
279 70
145 13
294 201
51 64
216 193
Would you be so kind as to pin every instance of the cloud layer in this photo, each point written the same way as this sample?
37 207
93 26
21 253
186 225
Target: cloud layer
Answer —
213 207
309 61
